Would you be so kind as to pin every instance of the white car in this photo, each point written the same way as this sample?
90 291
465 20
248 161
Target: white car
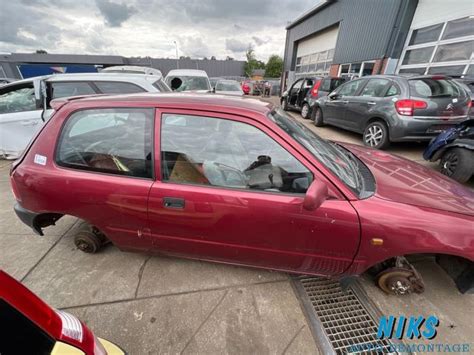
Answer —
228 87
188 80
24 104
131 69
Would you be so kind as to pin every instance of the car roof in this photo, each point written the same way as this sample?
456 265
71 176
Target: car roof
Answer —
88 76
219 103
187 72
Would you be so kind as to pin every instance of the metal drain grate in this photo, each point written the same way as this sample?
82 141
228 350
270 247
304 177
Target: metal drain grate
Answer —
339 319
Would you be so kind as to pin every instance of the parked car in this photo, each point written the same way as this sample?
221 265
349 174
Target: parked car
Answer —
30 326
390 108
214 80
5 81
132 69
188 80
468 84
454 148
237 181
24 104
228 87
303 93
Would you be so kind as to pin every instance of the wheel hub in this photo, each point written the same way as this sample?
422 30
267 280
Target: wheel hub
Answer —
304 111
374 136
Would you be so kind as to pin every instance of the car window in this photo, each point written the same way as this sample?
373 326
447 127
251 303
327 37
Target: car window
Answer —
350 88
116 87
393 90
219 152
117 141
375 87
308 83
430 87
161 85
188 83
18 99
71 89
227 86
296 85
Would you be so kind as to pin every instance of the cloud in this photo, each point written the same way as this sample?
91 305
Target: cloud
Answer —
235 45
133 28
115 14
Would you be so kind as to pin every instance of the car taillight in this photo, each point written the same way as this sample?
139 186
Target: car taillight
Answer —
315 89
71 326
407 107
469 104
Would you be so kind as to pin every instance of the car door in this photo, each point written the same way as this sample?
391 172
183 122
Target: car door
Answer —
305 87
20 117
345 95
360 106
293 93
231 190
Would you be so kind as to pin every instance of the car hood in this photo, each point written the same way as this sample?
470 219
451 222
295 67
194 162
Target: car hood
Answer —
404 181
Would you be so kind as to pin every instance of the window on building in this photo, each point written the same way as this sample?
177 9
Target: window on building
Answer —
368 68
426 34
219 152
454 51
459 28
451 70
116 141
71 89
417 56
444 48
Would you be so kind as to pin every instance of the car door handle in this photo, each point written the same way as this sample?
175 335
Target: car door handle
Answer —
371 103
345 102
171 202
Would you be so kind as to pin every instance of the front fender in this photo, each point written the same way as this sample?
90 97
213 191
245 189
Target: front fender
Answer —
458 143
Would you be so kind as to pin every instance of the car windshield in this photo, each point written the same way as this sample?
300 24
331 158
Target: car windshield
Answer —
339 160
227 86
188 83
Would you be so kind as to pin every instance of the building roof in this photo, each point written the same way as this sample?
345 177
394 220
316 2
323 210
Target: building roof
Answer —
319 6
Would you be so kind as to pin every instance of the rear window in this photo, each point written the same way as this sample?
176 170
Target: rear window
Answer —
116 87
432 88
161 85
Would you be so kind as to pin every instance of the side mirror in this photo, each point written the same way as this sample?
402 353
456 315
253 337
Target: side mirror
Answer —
315 195
214 89
333 96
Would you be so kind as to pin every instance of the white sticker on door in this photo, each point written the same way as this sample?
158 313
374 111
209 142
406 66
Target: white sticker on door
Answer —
40 159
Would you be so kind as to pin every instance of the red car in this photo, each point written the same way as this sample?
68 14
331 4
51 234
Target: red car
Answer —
30 326
238 181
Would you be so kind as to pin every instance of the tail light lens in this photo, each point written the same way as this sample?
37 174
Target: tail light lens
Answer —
71 326
315 89
408 106
469 104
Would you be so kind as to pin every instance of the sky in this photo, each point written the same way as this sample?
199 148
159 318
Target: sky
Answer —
201 28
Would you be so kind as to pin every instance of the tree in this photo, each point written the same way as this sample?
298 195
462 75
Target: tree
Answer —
41 51
229 58
213 58
274 67
252 63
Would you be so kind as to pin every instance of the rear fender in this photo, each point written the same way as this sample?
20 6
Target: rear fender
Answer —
458 143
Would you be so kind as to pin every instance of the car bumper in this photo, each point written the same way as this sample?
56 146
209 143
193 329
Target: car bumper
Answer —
409 128
28 217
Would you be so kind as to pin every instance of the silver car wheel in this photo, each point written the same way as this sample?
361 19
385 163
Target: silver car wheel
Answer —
304 111
374 136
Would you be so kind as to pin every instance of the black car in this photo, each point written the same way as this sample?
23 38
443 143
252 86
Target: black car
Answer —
303 93
391 108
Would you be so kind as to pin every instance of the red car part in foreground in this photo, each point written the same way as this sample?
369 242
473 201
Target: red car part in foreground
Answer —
30 326
237 181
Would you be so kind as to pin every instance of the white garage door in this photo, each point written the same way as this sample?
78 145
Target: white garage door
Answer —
314 55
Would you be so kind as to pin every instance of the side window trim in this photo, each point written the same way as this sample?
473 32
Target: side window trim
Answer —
234 118
153 144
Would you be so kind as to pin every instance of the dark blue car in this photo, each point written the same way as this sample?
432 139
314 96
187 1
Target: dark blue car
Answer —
454 148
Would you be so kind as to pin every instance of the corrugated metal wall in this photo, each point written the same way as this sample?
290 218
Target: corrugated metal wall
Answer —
365 28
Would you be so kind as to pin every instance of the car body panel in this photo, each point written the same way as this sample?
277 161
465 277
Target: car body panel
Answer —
406 182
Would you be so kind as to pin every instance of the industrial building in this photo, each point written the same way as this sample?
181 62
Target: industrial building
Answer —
24 65
356 38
